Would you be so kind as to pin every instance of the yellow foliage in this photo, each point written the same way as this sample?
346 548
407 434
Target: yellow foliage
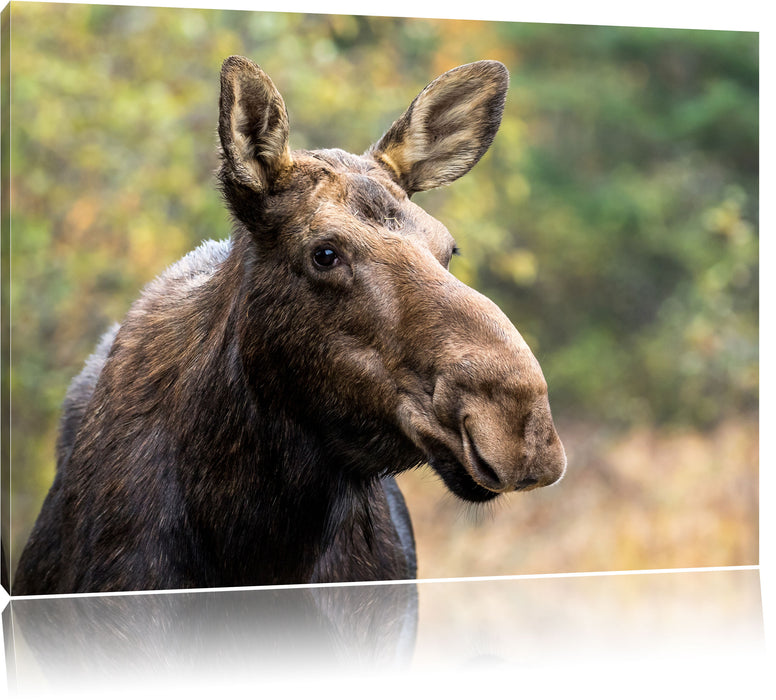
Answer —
650 499
518 265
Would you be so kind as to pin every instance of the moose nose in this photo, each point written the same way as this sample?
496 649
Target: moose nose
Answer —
502 456
493 478
506 438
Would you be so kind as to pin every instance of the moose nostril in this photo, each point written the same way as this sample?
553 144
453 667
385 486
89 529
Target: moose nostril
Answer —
487 471
486 474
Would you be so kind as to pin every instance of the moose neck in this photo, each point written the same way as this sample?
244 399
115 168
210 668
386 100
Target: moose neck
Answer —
268 494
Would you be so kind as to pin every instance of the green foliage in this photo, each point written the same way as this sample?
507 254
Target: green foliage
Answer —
614 220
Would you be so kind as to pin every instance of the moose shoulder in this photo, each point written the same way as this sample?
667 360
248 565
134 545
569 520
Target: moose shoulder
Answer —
243 424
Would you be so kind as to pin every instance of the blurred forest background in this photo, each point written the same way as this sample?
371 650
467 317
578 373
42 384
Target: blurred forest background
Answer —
615 220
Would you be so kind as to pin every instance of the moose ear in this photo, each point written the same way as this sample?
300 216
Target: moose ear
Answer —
252 125
447 128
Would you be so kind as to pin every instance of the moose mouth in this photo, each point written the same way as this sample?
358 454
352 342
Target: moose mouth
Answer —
457 478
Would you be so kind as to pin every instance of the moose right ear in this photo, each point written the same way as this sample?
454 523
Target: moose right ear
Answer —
446 129
252 126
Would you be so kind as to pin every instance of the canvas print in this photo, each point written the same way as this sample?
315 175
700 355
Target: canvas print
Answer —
322 298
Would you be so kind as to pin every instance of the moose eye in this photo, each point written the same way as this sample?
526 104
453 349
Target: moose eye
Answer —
455 251
325 257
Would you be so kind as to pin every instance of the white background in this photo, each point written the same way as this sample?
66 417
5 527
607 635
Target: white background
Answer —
742 15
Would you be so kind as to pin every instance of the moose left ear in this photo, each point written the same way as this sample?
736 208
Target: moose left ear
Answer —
252 125
447 128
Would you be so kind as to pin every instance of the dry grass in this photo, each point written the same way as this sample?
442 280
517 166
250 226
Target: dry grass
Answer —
645 500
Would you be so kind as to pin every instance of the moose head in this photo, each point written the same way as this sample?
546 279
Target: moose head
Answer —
388 357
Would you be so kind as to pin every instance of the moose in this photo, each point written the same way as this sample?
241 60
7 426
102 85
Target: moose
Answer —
244 424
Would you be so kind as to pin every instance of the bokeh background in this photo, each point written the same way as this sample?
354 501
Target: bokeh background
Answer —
615 220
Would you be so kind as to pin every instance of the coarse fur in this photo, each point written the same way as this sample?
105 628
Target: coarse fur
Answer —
243 424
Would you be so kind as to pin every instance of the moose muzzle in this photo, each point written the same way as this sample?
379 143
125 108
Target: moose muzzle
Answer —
490 403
